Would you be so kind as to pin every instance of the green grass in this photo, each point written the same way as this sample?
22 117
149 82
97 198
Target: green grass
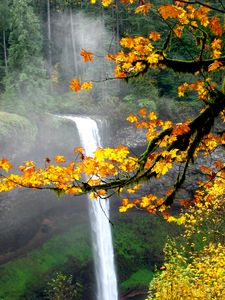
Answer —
139 279
135 239
20 275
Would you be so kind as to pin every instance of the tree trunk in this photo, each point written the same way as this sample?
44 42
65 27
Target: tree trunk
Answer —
49 39
5 52
117 27
73 41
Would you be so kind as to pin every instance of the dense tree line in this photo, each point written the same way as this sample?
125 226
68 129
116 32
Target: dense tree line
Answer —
39 52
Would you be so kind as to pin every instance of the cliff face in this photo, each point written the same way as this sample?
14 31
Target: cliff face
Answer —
23 211
135 139
123 133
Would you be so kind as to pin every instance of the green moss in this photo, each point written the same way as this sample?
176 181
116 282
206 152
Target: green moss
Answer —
139 279
19 276
11 124
18 129
139 241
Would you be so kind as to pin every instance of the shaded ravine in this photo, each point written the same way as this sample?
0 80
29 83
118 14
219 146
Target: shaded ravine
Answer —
99 218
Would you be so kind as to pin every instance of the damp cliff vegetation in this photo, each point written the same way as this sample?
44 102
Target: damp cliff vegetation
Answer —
180 54
27 277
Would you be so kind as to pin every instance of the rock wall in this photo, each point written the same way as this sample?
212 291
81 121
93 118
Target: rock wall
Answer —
22 212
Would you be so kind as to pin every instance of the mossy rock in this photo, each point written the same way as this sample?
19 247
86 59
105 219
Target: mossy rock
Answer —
56 135
138 280
17 133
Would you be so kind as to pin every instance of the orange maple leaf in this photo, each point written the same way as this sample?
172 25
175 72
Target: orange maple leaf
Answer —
216 44
168 11
143 8
154 36
87 55
75 85
184 202
180 128
142 112
79 150
216 26
215 65
201 15
205 169
178 30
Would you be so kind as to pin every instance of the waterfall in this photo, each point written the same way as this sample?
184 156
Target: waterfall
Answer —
101 230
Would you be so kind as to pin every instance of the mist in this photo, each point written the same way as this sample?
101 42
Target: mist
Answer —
23 212
35 132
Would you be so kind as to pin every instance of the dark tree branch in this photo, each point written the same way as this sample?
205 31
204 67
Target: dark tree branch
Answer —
202 4
199 128
190 67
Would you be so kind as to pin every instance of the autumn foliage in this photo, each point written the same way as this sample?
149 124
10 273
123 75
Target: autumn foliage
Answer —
194 263
116 170
202 277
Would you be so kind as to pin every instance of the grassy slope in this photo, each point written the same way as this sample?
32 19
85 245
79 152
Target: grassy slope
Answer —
18 276
138 243
139 279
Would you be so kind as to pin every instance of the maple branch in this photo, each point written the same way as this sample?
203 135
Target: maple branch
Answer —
191 67
199 128
203 39
178 65
202 4
180 180
151 147
222 4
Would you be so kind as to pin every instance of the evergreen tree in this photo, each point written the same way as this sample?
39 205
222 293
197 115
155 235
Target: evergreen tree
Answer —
4 26
25 62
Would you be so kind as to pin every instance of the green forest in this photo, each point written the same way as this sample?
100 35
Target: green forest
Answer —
39 53
157 71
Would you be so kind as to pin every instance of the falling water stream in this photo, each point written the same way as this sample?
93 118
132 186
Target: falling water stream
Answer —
101 230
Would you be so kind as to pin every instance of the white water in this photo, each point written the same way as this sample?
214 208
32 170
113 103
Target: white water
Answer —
101 230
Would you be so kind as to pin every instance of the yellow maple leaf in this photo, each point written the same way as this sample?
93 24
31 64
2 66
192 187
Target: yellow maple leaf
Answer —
5 164
139 66
182 88
152 116
153 58
132 118
60 158
106 3
127 42
162 167
87 85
